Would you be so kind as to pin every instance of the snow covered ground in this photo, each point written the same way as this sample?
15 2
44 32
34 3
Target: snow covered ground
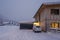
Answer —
10 32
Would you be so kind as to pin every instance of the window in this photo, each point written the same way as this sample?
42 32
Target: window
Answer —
59 25
54 25
55 11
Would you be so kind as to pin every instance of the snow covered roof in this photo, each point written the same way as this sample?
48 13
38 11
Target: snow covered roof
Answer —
47 4
50 3
27 22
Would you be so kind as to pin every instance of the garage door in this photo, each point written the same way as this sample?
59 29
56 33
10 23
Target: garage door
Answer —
26 26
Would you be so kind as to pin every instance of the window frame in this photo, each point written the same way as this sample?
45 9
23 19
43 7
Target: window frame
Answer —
54 11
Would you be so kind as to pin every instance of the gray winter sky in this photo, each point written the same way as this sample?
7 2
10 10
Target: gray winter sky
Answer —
20 10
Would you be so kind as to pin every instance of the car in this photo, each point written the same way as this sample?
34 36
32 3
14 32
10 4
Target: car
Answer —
36 28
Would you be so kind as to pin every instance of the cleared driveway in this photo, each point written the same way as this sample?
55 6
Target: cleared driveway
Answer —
10 32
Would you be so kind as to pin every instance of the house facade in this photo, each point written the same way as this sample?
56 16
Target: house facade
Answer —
49 16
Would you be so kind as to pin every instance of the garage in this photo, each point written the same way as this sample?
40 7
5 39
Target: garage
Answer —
26 26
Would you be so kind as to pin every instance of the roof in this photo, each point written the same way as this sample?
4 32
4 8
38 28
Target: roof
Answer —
50 3
46 4
26 22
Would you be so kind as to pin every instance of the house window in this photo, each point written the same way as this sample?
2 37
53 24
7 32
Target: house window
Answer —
59 25
52 25
55 11
55 25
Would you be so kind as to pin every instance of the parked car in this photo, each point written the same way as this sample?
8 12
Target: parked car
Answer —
36 28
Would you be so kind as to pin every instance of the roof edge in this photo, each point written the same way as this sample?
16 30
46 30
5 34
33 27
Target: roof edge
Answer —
37 10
